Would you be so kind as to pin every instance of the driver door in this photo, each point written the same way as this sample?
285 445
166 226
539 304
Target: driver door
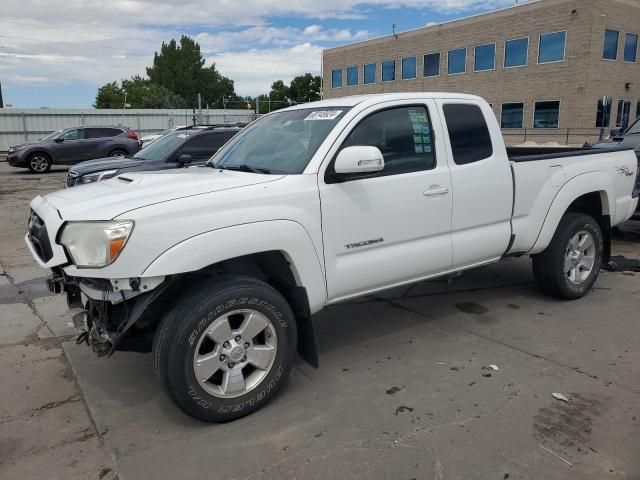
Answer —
70 146
393 226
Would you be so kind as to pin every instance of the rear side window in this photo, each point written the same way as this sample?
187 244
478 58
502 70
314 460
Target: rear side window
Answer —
403 135
101 132
204 144
468 133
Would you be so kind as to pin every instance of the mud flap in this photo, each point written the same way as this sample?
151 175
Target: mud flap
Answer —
307 345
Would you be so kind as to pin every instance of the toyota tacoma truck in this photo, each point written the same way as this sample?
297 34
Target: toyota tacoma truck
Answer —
217 270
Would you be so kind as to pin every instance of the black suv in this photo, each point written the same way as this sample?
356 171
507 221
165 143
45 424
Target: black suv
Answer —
72 145
181 148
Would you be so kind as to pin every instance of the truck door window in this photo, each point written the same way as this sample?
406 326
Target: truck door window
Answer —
403 135
468 133
204 145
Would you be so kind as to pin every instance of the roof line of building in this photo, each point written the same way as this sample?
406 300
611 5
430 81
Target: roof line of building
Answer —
448 22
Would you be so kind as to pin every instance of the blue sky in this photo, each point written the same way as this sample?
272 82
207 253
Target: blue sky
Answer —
53 60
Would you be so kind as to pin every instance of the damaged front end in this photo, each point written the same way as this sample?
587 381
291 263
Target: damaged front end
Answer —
112 314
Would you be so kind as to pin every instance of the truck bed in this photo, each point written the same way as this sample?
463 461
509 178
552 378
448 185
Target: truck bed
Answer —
530 154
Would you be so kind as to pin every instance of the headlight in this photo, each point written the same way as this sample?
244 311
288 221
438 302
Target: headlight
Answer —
95 244
98 176
15 149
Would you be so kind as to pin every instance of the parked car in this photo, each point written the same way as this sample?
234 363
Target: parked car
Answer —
620 137
174 150
72 145
629 138
147 139
222 266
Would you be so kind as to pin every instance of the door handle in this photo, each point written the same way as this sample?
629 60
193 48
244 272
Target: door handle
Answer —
434 191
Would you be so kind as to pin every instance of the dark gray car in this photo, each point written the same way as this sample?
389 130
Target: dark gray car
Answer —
178 149
73 145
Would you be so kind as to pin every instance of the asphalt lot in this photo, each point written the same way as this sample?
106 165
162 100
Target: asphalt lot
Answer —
404 389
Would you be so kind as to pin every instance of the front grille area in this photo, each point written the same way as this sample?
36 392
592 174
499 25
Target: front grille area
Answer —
71 180
39 237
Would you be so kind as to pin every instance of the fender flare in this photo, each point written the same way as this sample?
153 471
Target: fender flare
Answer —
590 182
286 236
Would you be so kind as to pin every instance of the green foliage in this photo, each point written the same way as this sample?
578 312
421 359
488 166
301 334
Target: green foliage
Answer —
180 69
176 77
110 95
305 88
139 93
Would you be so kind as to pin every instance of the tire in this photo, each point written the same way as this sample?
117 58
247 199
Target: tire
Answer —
193 336
561 271
39 163
118 152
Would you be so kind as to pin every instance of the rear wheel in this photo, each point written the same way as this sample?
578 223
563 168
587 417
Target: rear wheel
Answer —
39 163
226 349
118 153
570 265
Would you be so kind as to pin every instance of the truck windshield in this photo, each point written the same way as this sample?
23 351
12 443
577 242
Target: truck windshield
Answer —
158 149
282 142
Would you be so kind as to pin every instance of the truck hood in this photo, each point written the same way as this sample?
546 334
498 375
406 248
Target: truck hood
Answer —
101 164
108 199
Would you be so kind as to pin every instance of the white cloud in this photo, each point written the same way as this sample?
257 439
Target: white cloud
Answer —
256 69
56 41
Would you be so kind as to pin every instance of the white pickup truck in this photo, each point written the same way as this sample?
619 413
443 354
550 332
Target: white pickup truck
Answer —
218 269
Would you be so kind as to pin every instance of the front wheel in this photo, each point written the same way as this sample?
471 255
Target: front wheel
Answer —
226 349
569 266
39 163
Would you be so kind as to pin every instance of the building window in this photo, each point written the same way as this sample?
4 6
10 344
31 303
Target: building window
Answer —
516 52
409 68
624 111
546 115
610 49
468 133
457 61
603 115
388 71
352 76
630 47
431 66
485 57
551 47
370 73
336 78
512 115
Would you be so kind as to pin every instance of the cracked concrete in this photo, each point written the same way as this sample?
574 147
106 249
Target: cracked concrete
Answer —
404 390
45 428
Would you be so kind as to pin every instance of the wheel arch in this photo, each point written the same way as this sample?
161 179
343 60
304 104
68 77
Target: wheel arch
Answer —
41 152
591 194
279 252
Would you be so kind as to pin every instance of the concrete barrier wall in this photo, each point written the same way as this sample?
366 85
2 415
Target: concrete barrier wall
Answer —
22 125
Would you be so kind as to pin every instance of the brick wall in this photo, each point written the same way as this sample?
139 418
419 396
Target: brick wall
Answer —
577 82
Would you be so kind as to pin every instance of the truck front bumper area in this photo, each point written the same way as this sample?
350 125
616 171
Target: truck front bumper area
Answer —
110 315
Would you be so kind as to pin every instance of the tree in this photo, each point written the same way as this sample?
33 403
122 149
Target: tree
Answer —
180 69
305 88
139 93
143 93
110 95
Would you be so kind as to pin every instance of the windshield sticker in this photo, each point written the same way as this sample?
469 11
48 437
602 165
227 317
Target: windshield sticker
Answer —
324 115
419 148
413 115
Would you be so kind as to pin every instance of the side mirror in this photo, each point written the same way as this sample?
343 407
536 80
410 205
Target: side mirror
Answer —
184 159
359 159
616 132
58 140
